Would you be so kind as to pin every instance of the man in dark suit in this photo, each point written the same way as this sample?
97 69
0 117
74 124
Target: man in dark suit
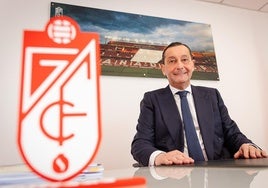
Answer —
160 137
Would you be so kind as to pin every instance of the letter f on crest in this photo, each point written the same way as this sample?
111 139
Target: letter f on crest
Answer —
59 129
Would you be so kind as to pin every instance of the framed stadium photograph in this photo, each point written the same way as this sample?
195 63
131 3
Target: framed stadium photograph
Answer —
132 44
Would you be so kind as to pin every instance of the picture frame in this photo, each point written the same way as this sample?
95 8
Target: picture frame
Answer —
132 44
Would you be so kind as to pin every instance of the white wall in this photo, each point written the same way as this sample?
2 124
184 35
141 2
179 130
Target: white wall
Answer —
241 45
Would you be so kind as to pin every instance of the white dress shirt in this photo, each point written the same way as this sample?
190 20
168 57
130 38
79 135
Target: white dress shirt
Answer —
193 112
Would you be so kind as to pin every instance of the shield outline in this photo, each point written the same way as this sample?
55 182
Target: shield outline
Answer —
21 115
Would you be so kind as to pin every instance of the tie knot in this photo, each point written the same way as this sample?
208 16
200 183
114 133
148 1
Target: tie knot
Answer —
182 93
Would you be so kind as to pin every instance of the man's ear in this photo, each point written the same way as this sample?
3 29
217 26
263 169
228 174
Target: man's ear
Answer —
193 59
163 69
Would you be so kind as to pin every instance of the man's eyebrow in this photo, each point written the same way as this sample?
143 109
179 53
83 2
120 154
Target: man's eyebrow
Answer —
180 56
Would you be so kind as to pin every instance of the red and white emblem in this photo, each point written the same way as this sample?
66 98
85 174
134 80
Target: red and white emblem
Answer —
59 128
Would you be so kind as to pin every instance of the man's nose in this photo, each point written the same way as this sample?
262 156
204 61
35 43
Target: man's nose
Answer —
179 64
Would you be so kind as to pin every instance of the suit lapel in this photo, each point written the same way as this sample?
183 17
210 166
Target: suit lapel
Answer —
171 117
205 118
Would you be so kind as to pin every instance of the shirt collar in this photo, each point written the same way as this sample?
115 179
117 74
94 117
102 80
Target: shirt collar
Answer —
175 90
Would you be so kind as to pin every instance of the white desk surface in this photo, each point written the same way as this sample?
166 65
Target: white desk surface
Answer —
240 173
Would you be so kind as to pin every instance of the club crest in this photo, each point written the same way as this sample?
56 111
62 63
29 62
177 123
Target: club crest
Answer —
59 129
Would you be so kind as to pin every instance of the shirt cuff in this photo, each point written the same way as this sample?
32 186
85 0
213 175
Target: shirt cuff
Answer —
153 156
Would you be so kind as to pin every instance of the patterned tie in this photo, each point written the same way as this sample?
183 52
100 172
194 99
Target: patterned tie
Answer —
193 144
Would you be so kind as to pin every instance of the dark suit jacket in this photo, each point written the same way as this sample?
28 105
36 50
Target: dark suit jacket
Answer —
160 127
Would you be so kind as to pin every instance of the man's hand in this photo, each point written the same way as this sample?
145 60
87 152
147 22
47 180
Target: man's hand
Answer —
172 157
248 151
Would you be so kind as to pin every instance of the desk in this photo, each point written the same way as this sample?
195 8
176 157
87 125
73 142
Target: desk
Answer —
242 173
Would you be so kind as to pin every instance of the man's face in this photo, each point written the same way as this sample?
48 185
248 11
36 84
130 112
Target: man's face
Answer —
178 66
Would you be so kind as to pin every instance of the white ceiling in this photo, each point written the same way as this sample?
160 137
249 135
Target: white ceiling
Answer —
256 5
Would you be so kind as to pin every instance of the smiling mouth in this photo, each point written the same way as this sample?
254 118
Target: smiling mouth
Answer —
180 73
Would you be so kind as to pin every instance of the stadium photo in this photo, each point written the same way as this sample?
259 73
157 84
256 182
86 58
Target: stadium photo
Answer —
132 44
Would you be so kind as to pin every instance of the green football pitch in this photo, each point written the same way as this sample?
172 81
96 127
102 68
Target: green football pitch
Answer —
150 73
